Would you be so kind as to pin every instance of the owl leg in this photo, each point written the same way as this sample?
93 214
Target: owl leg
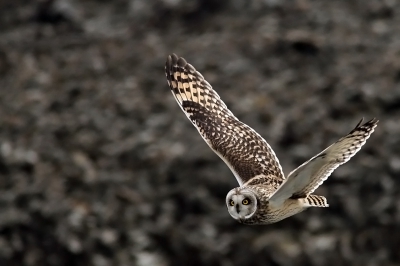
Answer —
315 201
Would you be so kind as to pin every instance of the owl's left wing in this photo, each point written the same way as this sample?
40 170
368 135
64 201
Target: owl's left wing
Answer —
302 181
245 152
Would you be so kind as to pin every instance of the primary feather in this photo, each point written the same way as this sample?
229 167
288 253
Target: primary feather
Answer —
245 152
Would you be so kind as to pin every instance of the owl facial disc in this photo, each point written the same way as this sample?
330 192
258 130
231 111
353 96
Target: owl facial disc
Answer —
241 203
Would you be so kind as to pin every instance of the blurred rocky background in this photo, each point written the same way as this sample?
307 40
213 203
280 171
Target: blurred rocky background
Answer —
99 166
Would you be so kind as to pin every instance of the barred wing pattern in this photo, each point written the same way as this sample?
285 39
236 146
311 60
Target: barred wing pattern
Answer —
245 152
310 175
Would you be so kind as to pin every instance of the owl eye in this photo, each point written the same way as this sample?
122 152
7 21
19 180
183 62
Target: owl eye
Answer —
232 203
245 202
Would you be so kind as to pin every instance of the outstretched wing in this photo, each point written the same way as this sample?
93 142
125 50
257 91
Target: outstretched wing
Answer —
245 152
310 175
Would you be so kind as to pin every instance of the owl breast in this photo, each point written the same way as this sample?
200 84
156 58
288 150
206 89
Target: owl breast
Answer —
267 213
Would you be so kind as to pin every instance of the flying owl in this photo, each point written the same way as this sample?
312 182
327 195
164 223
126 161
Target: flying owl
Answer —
264 195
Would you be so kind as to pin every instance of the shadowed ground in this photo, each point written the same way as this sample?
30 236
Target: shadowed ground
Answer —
99 166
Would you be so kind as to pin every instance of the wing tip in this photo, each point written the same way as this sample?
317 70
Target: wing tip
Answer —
181 62
174 60
369 125
171 61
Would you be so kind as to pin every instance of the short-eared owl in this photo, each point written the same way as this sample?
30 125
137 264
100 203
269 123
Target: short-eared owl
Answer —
264 195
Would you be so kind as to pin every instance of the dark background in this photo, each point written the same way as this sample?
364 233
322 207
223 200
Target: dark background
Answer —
99 166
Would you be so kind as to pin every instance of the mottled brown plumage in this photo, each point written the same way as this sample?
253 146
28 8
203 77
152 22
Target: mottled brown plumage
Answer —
264 196
243 149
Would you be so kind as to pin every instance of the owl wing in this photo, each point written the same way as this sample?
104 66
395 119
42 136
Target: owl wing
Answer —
310 175
245 152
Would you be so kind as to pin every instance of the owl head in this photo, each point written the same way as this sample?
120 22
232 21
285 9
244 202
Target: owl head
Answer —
242 203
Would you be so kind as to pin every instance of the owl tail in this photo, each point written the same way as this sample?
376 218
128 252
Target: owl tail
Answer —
315 201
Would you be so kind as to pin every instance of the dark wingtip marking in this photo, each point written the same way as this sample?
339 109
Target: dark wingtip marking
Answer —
174 58
359 123
373 121
190 68
174 63
182 62
171 61
367 125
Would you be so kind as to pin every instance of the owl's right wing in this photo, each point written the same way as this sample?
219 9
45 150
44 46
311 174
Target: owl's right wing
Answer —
302 181
245 152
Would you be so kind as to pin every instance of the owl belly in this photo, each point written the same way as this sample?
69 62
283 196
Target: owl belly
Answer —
272 214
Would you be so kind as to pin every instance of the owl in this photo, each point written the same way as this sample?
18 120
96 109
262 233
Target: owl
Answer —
264 195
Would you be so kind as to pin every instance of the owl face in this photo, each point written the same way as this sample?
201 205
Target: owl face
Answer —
241 203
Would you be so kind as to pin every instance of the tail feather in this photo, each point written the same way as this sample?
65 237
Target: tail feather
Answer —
315 201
